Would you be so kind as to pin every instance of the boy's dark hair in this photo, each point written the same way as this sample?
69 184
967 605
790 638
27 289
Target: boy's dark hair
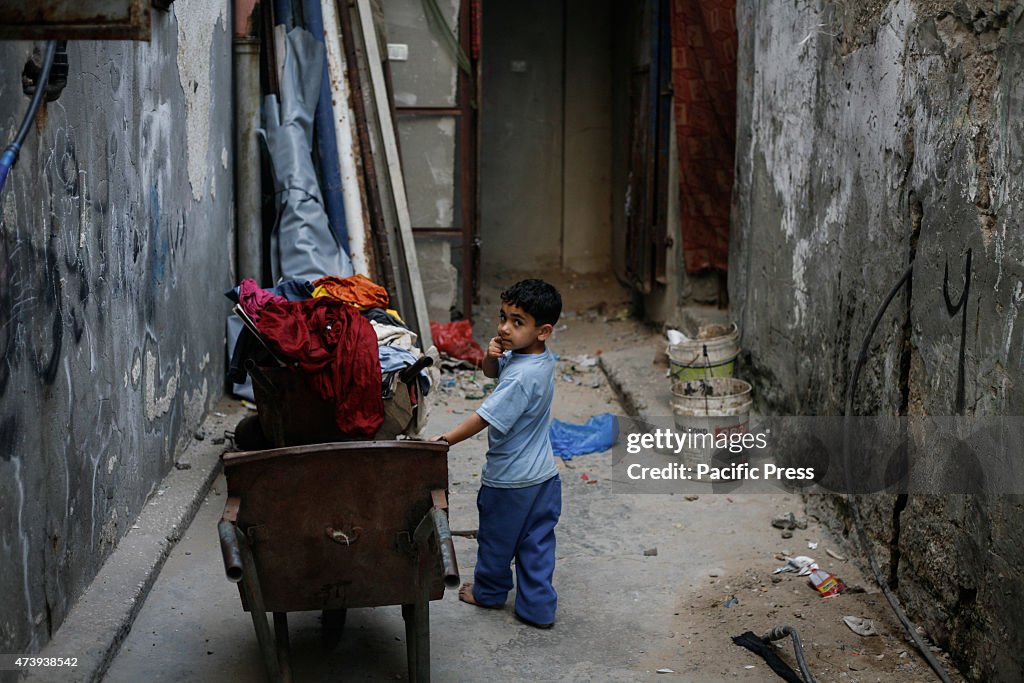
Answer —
537 298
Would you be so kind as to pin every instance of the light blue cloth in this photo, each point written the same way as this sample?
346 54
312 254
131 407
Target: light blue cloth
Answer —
599 434
518 412
394 359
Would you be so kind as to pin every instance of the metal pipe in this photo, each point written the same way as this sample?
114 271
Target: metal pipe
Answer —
348 150
248 213
445 547
376 227
230 550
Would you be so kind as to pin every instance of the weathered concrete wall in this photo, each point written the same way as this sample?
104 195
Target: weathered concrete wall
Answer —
115 240
587 202
521 136
873 135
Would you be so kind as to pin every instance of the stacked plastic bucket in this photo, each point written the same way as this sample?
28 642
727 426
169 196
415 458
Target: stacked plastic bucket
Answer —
706 398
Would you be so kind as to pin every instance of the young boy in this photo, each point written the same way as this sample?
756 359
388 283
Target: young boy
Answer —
520 499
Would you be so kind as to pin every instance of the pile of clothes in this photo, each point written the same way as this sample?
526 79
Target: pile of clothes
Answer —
341 336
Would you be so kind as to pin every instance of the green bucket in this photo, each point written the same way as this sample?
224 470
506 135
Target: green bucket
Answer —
705 358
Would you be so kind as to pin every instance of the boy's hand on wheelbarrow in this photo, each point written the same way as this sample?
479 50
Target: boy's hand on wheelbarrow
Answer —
470 426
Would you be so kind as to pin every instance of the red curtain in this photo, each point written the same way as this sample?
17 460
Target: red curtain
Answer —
704 84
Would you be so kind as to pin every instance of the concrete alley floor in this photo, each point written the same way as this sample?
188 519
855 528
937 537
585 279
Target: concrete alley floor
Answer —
643 579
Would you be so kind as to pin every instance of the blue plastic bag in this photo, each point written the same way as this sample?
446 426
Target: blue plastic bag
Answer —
599 434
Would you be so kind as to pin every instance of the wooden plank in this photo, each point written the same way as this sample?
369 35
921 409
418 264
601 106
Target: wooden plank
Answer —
394 168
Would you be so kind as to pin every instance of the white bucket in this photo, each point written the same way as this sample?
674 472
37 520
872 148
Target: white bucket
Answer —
704 410
712 354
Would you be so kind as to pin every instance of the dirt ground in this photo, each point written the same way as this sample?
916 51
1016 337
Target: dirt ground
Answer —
740 592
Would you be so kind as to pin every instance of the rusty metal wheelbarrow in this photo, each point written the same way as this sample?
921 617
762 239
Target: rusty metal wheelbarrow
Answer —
337 525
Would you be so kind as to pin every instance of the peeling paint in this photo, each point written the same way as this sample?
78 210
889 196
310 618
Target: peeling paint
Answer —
197 21
136 367
155 407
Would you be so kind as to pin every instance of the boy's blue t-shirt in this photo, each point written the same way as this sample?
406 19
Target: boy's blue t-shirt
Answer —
519 413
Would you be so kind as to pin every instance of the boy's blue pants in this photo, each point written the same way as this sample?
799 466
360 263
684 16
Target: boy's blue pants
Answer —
520 524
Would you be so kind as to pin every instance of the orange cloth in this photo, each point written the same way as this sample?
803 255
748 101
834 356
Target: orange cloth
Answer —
357 290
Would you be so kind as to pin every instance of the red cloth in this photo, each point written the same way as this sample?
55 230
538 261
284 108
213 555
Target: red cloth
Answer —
337 349
254 298
704 82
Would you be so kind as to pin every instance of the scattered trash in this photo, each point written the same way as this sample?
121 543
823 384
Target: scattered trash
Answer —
248 405
182 466
585 361
733 600
861 626
749 666
813 545
692 497
584 476
566 377
598 434
834 554
676 337
665 671
826 583
801 564
788 521
651 552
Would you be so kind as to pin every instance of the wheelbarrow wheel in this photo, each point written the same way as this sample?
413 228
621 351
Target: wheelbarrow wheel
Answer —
332 624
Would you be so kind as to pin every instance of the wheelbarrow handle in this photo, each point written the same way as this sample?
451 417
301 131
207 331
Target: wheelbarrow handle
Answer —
229 548
408 374
445 547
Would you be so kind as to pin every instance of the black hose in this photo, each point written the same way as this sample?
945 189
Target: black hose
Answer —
851 499
10 155
780 632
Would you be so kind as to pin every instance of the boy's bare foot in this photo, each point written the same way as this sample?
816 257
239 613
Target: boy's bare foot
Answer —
466 595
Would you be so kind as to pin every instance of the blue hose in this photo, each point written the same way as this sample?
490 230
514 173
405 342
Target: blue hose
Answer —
10 155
